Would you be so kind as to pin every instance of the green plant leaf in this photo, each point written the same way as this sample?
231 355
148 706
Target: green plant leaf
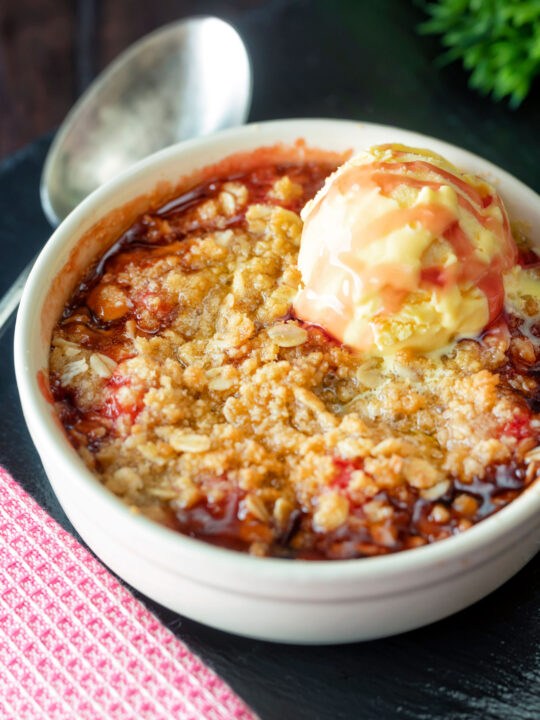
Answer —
498 41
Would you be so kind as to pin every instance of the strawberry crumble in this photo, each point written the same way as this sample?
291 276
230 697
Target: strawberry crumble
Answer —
190 388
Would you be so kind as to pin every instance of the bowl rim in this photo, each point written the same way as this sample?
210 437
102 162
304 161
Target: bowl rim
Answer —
489 533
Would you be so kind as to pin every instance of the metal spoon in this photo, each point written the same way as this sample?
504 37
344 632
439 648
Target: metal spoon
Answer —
189 78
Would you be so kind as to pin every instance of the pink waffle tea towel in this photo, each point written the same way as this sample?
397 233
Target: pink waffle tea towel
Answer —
76 645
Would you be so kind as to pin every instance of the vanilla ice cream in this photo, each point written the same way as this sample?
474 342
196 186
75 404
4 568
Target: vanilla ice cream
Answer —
402 250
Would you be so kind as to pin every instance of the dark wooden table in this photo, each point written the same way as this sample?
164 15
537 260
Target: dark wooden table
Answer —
349 59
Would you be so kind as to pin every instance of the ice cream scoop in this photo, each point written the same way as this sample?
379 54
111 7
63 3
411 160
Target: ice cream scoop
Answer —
400 249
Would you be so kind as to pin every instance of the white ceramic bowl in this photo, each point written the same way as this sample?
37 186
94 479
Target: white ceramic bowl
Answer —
273 599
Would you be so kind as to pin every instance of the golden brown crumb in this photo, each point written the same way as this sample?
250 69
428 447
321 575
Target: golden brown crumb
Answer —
210 393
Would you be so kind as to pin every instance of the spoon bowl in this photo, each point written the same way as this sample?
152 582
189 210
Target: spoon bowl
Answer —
186 79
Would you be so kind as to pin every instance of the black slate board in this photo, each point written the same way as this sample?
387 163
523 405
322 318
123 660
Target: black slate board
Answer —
358 60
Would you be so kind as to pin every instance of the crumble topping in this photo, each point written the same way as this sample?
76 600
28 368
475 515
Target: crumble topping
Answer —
192 392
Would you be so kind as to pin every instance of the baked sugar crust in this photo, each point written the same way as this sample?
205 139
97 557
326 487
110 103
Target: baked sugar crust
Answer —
190 390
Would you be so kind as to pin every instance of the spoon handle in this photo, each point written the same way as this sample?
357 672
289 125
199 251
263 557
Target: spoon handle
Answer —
12 298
